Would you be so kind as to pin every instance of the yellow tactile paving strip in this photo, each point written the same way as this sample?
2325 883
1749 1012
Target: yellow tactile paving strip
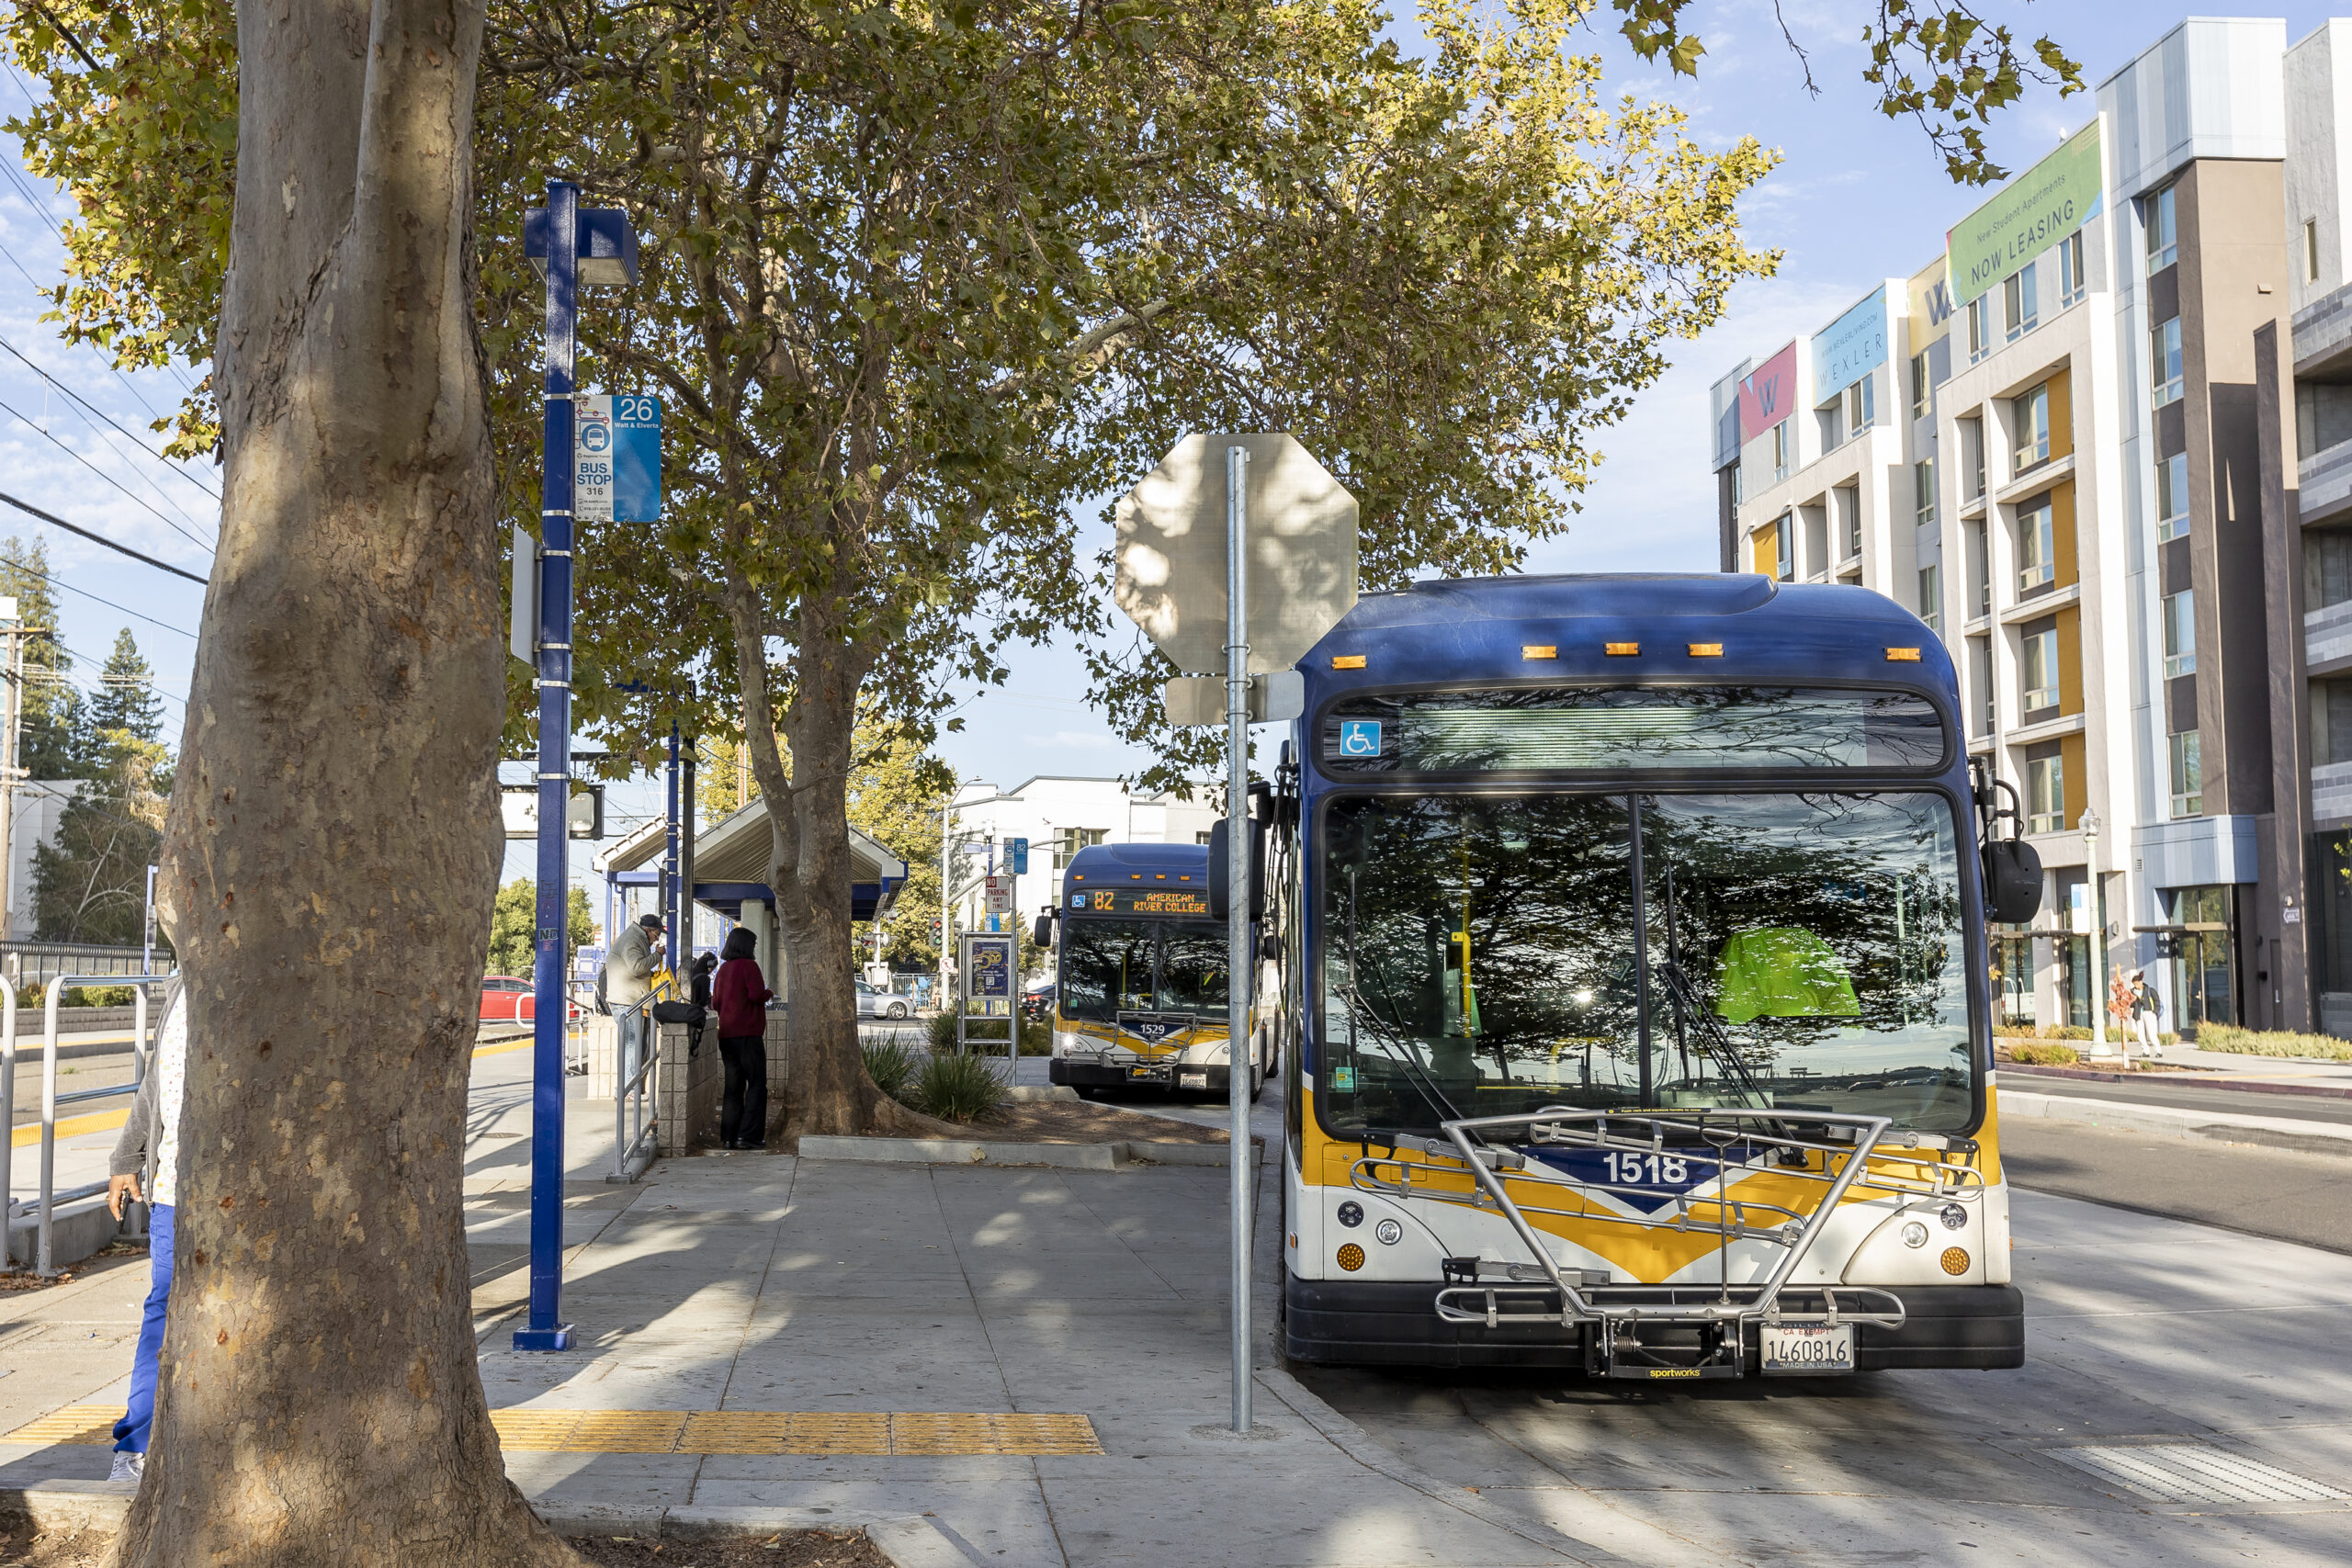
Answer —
903 1433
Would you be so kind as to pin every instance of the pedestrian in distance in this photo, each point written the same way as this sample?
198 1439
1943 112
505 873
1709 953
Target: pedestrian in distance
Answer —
699 978
2147 1014
150 1143
742 994
628 976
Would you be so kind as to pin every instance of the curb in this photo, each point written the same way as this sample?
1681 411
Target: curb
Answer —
2217 1126
956 1151
2191 1079
907 1540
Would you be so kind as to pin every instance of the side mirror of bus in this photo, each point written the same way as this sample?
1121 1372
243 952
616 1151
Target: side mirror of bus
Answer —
1044 934
1221 873
2012 882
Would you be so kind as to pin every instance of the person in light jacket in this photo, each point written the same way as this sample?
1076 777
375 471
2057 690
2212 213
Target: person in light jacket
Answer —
742 995
151 1142
628 974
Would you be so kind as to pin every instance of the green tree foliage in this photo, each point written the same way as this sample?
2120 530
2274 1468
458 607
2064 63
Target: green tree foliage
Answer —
896 790
46 744
514 919
89 884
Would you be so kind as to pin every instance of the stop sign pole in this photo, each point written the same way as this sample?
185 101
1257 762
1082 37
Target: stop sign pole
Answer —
1291 526
1242 963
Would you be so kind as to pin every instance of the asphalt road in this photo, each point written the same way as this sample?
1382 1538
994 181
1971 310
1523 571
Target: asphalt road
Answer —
2280 1193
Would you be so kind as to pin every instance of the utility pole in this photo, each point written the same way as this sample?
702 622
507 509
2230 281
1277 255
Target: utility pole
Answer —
16 633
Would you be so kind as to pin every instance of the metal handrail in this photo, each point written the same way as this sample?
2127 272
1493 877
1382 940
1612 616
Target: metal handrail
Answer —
629 1076
50 1099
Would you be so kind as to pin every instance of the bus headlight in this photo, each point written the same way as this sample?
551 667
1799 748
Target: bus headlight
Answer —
1955 1218
1915 1235
1065 1042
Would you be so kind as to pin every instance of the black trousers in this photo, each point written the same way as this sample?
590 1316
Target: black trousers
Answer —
743 1114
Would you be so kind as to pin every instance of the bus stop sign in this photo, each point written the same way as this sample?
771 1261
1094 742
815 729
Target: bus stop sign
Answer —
1301 553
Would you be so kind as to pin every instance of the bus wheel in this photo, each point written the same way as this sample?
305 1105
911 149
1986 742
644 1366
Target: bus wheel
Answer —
1087 1092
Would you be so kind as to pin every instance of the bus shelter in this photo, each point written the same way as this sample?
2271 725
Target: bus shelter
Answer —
727 867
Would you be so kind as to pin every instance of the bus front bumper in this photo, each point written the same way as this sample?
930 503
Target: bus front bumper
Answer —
1081 1072
1381 1323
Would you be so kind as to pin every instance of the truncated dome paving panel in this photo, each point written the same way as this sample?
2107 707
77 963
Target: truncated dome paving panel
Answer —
901 1433
2193 1472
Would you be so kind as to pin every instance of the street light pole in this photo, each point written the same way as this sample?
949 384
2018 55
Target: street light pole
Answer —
1240 967
2090 826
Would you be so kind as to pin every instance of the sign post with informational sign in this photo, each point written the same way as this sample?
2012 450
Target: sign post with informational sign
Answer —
620 454
988 963
1247 600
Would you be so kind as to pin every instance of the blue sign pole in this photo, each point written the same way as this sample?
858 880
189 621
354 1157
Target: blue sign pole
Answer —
672 906
542 1331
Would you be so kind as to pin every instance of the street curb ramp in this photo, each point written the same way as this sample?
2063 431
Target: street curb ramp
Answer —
908 1541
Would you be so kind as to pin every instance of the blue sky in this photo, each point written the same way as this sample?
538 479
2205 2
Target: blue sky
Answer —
1856 198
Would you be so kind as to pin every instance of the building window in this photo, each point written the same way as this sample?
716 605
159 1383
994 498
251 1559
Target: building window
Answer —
1980 327
1980 664
1972 446
2171 496
1784 554
1931 597
1923 490
1849 505
1738 487
2037 546
2038 670
2188 776
2311 250
1922 392
1859 409
2164 361
1202 837
2032 427
1780 450
2327 567
2180 633
2018 303
1068 841
2045 794
2071 284
2164 243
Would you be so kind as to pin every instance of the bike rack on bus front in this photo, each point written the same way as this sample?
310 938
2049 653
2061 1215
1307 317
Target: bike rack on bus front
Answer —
1493 1307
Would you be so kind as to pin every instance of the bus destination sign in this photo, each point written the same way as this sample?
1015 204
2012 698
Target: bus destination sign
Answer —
1142 901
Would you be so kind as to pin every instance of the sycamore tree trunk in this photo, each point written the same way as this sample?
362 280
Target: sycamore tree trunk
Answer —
827 1088
332 842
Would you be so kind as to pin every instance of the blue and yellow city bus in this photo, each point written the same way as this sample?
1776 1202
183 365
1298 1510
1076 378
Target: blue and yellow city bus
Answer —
1643 986
1140 988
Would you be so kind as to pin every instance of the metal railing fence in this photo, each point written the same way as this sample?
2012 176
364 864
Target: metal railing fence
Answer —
634 1055
44 1209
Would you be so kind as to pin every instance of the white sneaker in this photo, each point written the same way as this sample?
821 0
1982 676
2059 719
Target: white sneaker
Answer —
126 1466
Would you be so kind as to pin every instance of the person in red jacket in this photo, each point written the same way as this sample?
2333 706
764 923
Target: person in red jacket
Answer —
742 995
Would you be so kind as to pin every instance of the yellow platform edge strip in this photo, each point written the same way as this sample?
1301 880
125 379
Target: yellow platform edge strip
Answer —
903 1433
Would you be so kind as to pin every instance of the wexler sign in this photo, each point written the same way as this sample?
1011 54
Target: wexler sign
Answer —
2027 216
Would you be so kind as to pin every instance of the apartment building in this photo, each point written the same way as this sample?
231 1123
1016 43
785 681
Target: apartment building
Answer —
2068 489
1059 815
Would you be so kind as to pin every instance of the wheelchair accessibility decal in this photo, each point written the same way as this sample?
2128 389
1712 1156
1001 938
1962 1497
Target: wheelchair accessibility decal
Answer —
1360 737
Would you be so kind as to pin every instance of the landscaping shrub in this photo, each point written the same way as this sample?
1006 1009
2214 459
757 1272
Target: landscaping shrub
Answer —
2045 1056
2271 1042
892 1063
958 1089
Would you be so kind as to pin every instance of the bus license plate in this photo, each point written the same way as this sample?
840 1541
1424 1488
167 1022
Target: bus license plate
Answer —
1195 1080
1807 1349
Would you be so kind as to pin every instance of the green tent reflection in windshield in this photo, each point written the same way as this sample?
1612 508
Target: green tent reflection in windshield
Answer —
1782 972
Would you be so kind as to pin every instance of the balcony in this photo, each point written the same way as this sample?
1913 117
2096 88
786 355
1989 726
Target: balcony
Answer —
2327 639
2332 793
2323 482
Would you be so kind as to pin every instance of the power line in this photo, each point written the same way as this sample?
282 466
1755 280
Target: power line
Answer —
98 538
59 583
118 484
85 402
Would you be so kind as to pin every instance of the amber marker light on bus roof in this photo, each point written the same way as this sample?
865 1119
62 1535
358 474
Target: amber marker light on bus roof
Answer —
1538 650
1706 650
1347 661
1620 650
1903 656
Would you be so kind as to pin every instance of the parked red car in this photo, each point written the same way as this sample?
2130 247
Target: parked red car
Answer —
505 1000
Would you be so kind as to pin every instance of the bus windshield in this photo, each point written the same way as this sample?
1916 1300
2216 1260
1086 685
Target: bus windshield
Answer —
1803 951
1112 965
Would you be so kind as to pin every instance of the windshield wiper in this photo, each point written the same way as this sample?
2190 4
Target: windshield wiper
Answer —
1402 1052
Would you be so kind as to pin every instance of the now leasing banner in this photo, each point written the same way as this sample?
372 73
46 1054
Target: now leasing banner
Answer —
2026 216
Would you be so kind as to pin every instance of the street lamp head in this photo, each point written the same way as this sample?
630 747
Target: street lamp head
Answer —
607 245
2090 821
